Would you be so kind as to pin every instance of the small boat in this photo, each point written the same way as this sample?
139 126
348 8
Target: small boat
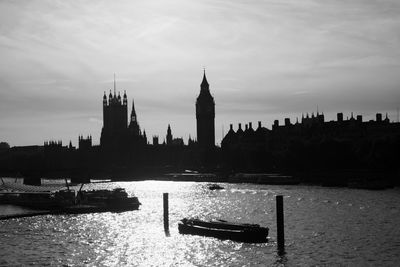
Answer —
248 233
215 187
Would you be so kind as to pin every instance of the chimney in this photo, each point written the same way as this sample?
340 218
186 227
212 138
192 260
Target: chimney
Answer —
287 121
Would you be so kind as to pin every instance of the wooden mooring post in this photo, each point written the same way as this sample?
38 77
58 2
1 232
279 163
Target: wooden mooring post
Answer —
166 219
280 227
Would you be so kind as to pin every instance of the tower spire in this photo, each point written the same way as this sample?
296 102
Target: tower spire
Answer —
115 87
133 113
204 84
205 116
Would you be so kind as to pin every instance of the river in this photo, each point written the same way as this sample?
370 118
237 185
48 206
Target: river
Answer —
323 226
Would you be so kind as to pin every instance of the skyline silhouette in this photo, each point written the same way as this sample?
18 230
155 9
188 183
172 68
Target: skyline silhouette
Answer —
116 98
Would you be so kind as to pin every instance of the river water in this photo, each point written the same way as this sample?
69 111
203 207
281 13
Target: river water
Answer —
323 226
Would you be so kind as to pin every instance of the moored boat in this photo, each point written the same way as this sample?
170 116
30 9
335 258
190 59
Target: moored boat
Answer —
215 187
64 201
115 200
249 233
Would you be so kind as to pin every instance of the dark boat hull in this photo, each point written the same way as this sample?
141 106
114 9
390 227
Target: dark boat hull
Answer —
247 235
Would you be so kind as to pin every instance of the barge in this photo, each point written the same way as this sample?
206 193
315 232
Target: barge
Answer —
248 233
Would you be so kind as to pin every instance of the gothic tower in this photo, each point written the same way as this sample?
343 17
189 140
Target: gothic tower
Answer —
134 125
169 136
205 116
115 118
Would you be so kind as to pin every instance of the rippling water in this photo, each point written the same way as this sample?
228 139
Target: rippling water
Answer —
323 226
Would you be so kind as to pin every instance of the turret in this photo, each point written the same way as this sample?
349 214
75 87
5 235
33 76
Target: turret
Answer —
386 118
340 117
240 127
251 127
169 135
110 96
145 136
378 117
125 99
134 125
133 113
155 140
352 117
104 99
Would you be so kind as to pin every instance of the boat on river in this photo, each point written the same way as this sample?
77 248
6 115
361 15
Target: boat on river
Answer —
58 201
39 200
110 200
240 232
214 187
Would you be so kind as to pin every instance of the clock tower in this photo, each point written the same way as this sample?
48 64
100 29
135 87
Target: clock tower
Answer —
205 116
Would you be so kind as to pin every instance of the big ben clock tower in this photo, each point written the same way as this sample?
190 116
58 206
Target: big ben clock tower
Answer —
205 115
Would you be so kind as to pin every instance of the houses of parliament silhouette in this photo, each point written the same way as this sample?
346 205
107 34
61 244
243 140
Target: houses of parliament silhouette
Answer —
305 146
116 134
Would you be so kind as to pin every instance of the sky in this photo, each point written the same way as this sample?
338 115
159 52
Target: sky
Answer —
264 60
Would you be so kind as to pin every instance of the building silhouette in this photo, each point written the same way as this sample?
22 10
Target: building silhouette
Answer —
116 134
170 141
313 144
84 144
310 147
169 136
205 116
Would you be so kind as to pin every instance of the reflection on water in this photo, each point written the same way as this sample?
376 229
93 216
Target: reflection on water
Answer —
323 226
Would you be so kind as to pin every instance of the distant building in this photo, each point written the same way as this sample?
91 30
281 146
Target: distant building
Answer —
205 116
314 125
178 142
173 141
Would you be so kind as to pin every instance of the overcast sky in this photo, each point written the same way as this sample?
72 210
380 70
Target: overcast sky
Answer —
264 60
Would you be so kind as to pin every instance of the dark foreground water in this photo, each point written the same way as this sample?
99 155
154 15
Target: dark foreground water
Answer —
323 226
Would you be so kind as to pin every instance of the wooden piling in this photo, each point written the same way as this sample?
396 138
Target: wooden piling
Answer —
280 224
166 219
